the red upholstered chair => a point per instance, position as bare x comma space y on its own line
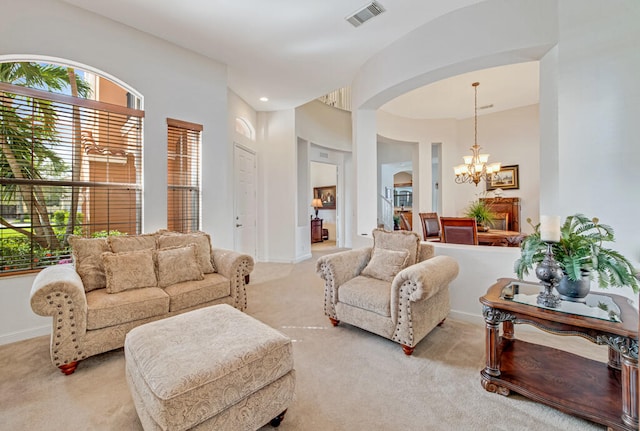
459, 230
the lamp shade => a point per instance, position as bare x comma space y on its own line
316, 203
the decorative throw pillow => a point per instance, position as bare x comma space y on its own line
177, 264
385, 264
124, 243
200, 239
399, 240
87, 259
129, 270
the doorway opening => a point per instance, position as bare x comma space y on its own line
324, 202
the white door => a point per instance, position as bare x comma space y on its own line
245, 201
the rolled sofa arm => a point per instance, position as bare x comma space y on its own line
338, 268
427, 277
234, 266
58, 291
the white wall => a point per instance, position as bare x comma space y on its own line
598, 112
174, 82
511, 137
324, 125
278, 188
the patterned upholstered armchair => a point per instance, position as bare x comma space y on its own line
397, 289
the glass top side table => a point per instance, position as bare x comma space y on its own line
604, 393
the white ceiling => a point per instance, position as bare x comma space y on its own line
293, 51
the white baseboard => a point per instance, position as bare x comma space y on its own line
476, 319
25, 335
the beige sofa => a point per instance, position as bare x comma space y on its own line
121, 282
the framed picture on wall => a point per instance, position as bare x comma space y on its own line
506, 178
327, 195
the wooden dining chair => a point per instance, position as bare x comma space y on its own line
500, 221
459, 230
404, 223
430, 226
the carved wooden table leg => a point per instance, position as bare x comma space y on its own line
614, 359
629, 377
492, 344
493, 318
507, 329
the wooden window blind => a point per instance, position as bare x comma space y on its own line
62, 155
183, 168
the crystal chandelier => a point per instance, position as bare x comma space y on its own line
476, 167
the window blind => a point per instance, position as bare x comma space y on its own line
183, 169
63, 156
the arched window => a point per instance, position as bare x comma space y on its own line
244, 128
70, 160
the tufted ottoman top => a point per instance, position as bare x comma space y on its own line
192, 366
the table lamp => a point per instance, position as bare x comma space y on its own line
316, 203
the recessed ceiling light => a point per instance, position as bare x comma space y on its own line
264, 99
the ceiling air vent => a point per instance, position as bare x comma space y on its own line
365, 14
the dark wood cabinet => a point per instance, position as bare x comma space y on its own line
506, 205
316, 230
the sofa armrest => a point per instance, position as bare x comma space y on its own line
234, 266
58, 291
338, 268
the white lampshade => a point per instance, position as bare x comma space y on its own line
316, 203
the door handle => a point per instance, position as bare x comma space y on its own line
238, 225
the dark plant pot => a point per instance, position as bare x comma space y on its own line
575, 291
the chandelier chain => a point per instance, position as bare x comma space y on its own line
475, 167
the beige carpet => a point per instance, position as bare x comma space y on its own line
347, 379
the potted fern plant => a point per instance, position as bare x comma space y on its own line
480, 211
581, 255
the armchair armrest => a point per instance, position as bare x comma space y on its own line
336, 269
58, 291
421, 281
234, 266
428, 276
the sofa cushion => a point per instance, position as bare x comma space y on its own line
398, 240
123, 243
110, 309
191, 293
200, 239
87, 258
177, 264
385, 264
129, 270
367, 293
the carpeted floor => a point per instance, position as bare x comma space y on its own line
347, 379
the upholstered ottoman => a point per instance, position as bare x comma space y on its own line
212, 368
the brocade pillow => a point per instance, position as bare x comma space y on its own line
385, 264
87, 259
129, 270
124, 243
399, 240
202, 242
177, 264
